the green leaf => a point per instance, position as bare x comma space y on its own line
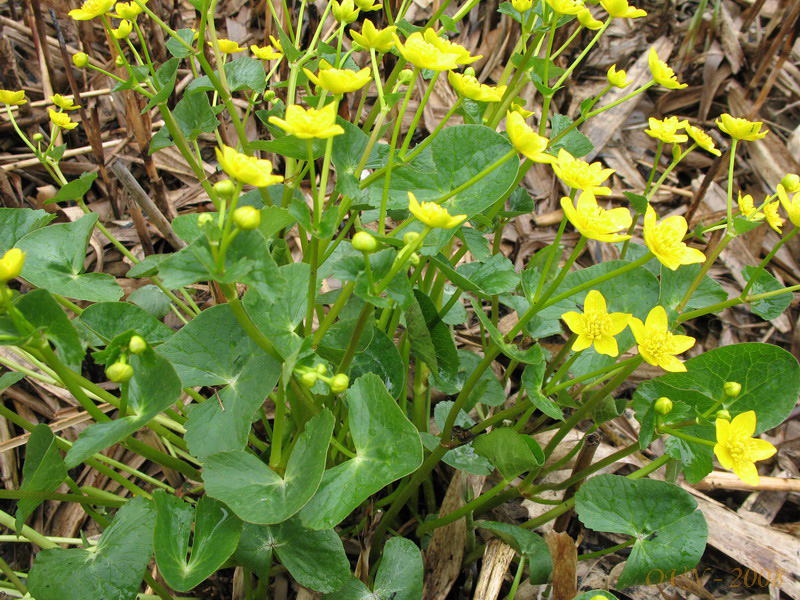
110, 319
46, 315
112, 571
194, 116
177, 49
10, 378
506, 8
675, 284
256, 493
574, 142
532, 378
487, 391
494, 276
511, 452
430, 335
55, 258
152, 300
247, 261
638, 202
768, 308
154, 388
697, 460
75, 189
315, 559
244, 73
530, 356
462, 458
528, 544
742, 225
216, 535
387, 447
346, 154
670, 532
159, 141
214, 350
456, 155
140, 73
15, 223
290, 146
399, 576
166, 75
43, 470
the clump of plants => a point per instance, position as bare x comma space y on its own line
302, 406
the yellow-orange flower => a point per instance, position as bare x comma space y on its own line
525, 140
12, 98
657, 344
309, 123
594, 222
737, 449
566, 7
663, 73
468, 86
702, 139
748, 209
774, 219
665, 240
445, 45
741, 129
667, 129
432, 214
91, 9
579, 174
11, 264
64, 103
596, 326
586, 19
247, 169
424, 55
372, 37
128, 10
265, 52
61, 119
791, 206
621, 9
339, 81
228, 46
619, 78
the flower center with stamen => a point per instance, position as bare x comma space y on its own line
737, 450
596, 324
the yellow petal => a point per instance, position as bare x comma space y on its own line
582, 342
746, 471
595, 302
657, 318
759, 449
671, 364
681, 343
723, 433
637, 327
573, 320
743, 426
606, 345
619, 321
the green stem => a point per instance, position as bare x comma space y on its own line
754, 275
469, 507
407, 158
606, 551
685, 436
710, 259
731, 163
418, 114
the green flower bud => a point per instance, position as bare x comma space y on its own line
247, 217
732, 389
321, 368
37, 137
309, 378
663, 406
676, 151
723, 414
225, 188
414, 259
119, 372
204, 219
363, 241
137, 345
119, 61
80, 59
406, 75
410, 237
469, 72
268, 96
339, 383
791, 183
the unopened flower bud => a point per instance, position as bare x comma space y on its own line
469, 72
410, 237
247, 217
80, 59
268, 96
676, 151
521, 5
321, 368
309, 378
204, 219
339, 383
663, 406
119, 61
137, 344
732, 389
406, 75
791, 183
723, 414
363, 241
225, 187
37, 137
414, 259
11, 264
119, 372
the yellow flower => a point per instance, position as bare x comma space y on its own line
61, 119
702, 139
596, 326
587, 20
581, 175
228, 46
123, 31
517, 106
792, 207
663, 73
667, 129
468, 86
748, 209
276, 43
64, 103
737, 449
566, 7
265, 52
665, 240
368, 5
525, 140
741, 129
421, 54
445, 45
621, 9
619, 78
432, 214
12, 98
339, 81
594, 222
247, 169
128, 10
345, 11
657, 345
91, 9
370, 37
11, 264
309, 123
522, 5
774, 220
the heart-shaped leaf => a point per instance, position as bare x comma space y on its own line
43, 470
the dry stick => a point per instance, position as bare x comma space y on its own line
711, 174
776, 70
767, 54
142, 199
582, 462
